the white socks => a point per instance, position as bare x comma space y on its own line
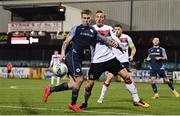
133, 90
103, 91
58, 81
53, 79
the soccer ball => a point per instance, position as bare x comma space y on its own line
60, 69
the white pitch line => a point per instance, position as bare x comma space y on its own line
18, 107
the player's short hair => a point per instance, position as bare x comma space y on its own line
100, 11
86, 11
118, 25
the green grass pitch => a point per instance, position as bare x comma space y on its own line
25, 97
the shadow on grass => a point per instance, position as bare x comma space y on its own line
26, 107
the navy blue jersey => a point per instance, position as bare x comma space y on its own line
156, 52
83, 37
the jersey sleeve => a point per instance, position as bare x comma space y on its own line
115, 37
73, 31
130, 42
164, 52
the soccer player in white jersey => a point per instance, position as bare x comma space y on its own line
124, 57
103, 60
55, 58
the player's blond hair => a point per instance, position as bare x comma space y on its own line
101, 11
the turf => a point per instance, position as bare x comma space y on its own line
25, 97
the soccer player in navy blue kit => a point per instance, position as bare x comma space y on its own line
157, 55
82, 37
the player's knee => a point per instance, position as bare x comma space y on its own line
166, 81
107, 81
88, 88
70, 85
90, 85
106, 84
126, 77
124, 74
152, 81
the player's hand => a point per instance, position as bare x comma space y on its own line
122, 48
112, 43
62, 57
130, 58
147, 59
86, 51
158, 58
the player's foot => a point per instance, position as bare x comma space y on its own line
83, 106
142, 104
47, 93
176, 94
100, 100
75, 108
156, 96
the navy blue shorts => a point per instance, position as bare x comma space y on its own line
156, 72
96, 69
74, 64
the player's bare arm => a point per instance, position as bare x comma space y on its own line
107, 41
64, 46
147, 59
161, 58
110, 42
133, 52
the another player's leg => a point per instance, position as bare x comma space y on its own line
170, 84
57, 80
105, 87
62, 87
75, 91
12, 74
132, 89
176, 94
154, 87
52, 80
95, 72
87, 93
8, 73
